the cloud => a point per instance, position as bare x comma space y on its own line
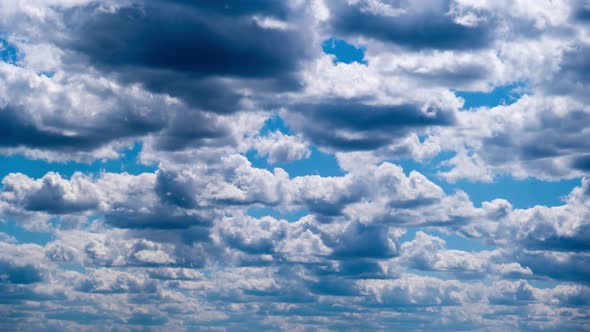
72, 114
181, 197
414, 291
210, 239
278, 147
133, 203
51, 194
105, 281
239, 52
429, 253
559, 228
525, 129
274, 240
409, 25
362, 241
362, 126
549, 241
15, 274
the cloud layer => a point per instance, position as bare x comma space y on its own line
215, 165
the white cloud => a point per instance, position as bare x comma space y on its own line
278, 147
179, 248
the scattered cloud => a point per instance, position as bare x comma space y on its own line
230, 102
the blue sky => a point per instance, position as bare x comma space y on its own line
318, 165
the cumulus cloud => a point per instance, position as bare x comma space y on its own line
240, 52
51, 194
520, 139
72, 114
361, 126
426, 25
278, 147
548, 241
226, 220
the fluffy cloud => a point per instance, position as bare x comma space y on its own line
51, 194
278, 147
362, 126
72, 114
548, 241
240, 52
520, 139
198, 236
425, 25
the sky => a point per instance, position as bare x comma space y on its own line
309, 165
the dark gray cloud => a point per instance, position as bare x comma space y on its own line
556, 141
134, 202
16, 294
192, 129
79, 113
146, 319
582, 163
277, 9
572, 76
414, 26
83, 318
572, 267
354, 125
17, 130
334, 287
18, 274
462, 76
134, 215
365, 241
172, 188
208, 55
191, 50
161, 35
582, 12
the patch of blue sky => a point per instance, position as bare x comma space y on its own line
543, 283
318, 163
521, 193
275, 123
291, 216
501, 95
344, 52
8, 53
435, 274
128, 162
40, 237
73, 267
453, 241
38, 168
22, 235
47, 73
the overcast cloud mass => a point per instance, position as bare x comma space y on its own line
304, 165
